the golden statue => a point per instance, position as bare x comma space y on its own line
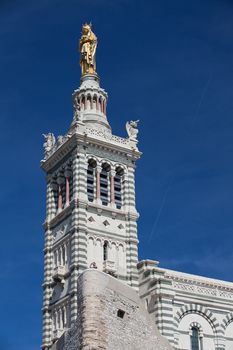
87, 48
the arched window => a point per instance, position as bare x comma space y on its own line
100, 104
195, 339
89, 102
118, 187
104, 184
105, 251
83, 103
91, 179
95, 103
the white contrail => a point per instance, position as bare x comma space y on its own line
160, 210
204, 90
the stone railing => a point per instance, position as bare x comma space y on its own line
107, 136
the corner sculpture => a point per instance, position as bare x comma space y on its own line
49, 143
87, 48
132, 129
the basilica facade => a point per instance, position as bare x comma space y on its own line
91, 232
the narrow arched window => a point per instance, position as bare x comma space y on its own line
83, 103
104, 184
118, 187
95, 105
100, 104
88, 102
195, 340
91, 179
105, 251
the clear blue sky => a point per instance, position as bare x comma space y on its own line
168, 63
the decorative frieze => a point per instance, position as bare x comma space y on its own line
194, 288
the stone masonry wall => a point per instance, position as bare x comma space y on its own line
110, 316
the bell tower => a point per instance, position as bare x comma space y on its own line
91, 219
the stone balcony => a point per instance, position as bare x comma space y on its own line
109, 267
59, 273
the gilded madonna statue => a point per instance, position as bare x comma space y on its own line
87, 48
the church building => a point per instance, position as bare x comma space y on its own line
96, 295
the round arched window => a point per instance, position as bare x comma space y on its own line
195, 340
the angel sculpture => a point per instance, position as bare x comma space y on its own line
49, 143
132, 129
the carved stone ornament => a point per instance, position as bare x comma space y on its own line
77, 108
49, 143
132, 129
60, 140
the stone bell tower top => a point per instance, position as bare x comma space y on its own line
90, 107
90, 102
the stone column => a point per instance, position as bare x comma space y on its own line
60, 181
65, 253
101, 105
91, 102
67, 176
97, 104
65, 316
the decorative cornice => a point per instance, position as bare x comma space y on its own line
198, 282
94, 137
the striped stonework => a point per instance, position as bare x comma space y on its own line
227, 320
81, 231
180, 301
198, 309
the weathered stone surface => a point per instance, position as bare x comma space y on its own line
110, 316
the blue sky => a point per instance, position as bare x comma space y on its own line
168, 63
